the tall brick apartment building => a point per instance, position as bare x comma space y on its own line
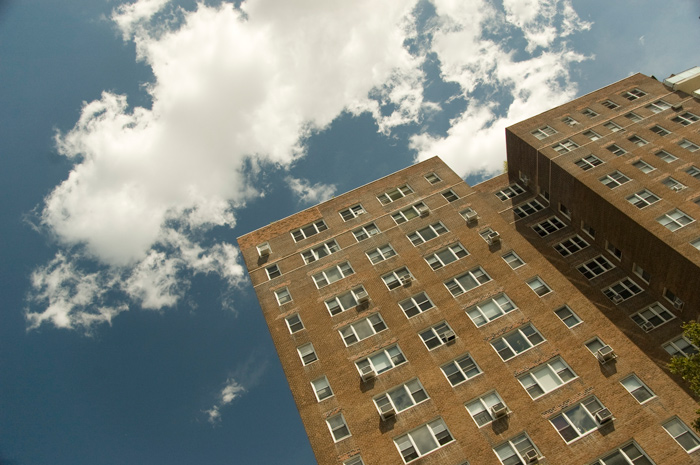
527, 319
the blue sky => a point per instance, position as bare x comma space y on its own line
139, 140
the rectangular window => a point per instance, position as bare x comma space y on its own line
616, 150
322, 388
432, 178
419, 303
652, 317
569, 121
309, 230
518, 341
546, 377
543, 132
643, 198
307, 353
395, 194
592, 135
437, 335
538, 286
578, 420
365, 232
614, 179
345, 301
491, 309
446, 256
613, 127
510, 192
332, 274
294, 323
425, 234
680, 346
658, 130
658, 106
283, 296
630, 454
339, 429
637, 388
609, 104
381, 253
638, 141
565, 146
513, 260
518, 450
450, 195
548, 226
401, 397
273, 271
686, 144
527, 209
622, 290
397, 278
643, 166
382, 361
674, 220
359, 330
588, 112
633, 94
635, 118
685, 119
423, 440
588, 162
352, 212
407, 214
571, 245
683, 435
461, 369
595, 267
320, 251
467, 281
567, 316
484, 409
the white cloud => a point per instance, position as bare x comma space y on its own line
232, 390
310, 194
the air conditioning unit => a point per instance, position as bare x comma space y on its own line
264, 249
471, 217
494, 238
362, 297
678, 304
532, 456
617, 298
647, 326
367, 373
423, 210
603, 416
605, 354
499, 410
406, 280
448, 336
387, 411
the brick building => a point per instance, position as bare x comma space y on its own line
421, 320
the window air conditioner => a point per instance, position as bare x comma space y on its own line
647, 326
387, 411
423, 210
499, 410
605, 354
603, 416
678, 304
448, 336
494, 238
406, 280
471, 217
617, 298
264, 250
367, 373
531, 456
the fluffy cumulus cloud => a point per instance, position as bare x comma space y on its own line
232, 390
239, 89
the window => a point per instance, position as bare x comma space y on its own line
569, 121
643, 198
633, 94
402, 397
339, 429
609, 104
643, 166
658, 106
565, 146
309, 230
480, 409
356, 460
570, 245
395, 194
595, 267
423, 440
546, 377
450, 195
429, 232
437, 335
395, 278
307, 353
419, 303
365, 231
642, 273
638, 141
543, 132
513, 260
567, 316
407, 214
652, 317
322, 388
631, 454
515, 450
659, 130
491, 309
510, 192
318, 252
345, 301
592, 135
588, 229
588, 112
539, 286
588, 162
686, 144
460, 370
578, 420
294, 323
694, 171
673, 184
518, 341
686, 118
433, 178
273, 271
612, 250
637, 388
332, 274
528, 208
616, 150
359, 330
613, 127
283, 296
381, 253
682, 434
614, 179
467, 281
352, 212
622, 290
446, 256
548, 226
635, 118
680, 346
382, 361
675, 219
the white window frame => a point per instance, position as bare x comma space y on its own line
352, 212
625, 288
547, 377
409, 213
417, 304
317, 252
536, 283
670, 220
381, 253
447, 255
548, 226
490, 309
461, 369
393, 279
387, 197
436, 430
343, 425
568, 316
636, 387
365, 232
307, 350
417, 237
643, 198
435, 336
283, 296
344, 270
343, 302
305, 232
652, 316
373, 324
509, 192
595, 267
588, 408
528, 208
687, 433
291, 324
408, 391
456, 287
322, 388
569, 244
395, 360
